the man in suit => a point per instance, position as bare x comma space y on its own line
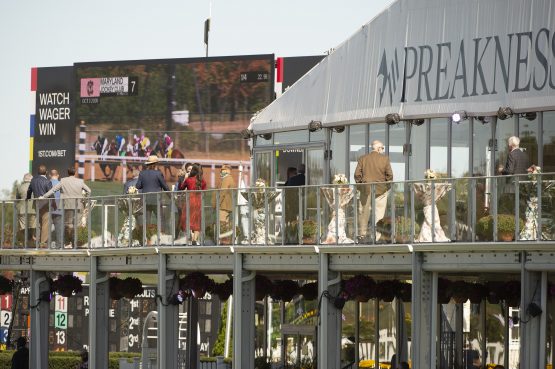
25, 209
225, 200
151, 180
299, 179
373, 168
71, 193
56, 212
517, 161
37, 188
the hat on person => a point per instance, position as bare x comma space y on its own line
152, 159
226, 167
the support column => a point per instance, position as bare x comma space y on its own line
192, 333
243, 323
530, 327
424, 315
39, 321
329, 328
168, 317
99, 305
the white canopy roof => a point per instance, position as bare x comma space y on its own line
422, 58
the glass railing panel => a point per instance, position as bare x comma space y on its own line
337, 204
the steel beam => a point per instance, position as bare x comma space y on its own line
243, 323
329, 329
424, 308
168, 317
530, 327
99, 302
39, 320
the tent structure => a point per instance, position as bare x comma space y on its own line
428, 58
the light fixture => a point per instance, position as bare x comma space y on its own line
392, 118
339, 129
266, 136
416, 122
314, 126
504, 113
179, 297
483, 119
247, 134
337, 301
530, 115
459, 116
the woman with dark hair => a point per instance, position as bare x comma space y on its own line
194, 182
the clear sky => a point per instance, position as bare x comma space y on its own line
46, 33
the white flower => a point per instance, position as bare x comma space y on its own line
260, 183
132, 190
340, 179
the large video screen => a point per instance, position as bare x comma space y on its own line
184, 110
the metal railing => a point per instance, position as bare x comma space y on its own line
477, 209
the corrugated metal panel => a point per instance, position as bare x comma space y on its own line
449, 55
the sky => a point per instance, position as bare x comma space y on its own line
43, 33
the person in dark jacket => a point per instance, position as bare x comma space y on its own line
299, 179
517, 160
38, 187
20, 358
151, 180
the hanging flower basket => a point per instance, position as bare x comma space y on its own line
263, 287
284, 290
6, 285
66, 285
459, 291
512, 293
132, 287
115, 286
224, 290
443, 291
477, 292
309, 291
197, 283
405, 292
360, 288
388, 290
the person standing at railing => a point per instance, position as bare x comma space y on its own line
131, 182
225, 204
25, 210
39, 186
71, 194
56, 211
517, 160
373, 167
194, 182
151, 180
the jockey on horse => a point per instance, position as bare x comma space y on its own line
120, 145
167, 145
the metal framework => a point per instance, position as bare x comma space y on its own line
423, 263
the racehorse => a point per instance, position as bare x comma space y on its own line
175, 154
112, 150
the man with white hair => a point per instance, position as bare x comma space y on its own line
373, 168
517, 160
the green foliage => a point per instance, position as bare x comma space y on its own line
505, 225
67, 359
151, 230
82, 235
309, 228
219, 345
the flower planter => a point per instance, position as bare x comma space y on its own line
505, 236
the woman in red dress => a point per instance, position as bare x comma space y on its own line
193, 183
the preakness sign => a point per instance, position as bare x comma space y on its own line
423, 58
52, 123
